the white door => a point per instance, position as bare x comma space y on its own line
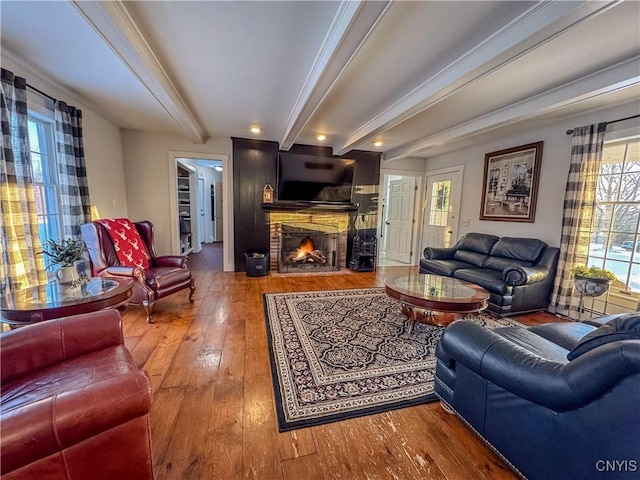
399, 223
217, 211
442, 206
202, 227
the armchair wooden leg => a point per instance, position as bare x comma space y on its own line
192, 289
148, 308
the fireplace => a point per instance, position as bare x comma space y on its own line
308, 250
310, 242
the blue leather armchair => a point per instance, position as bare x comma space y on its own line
555, 401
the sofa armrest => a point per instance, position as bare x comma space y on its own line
554, 385
39, 429
516, 276
178, 261
433, 253
36, 346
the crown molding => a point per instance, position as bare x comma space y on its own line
352, 25
620, 76
534, 28
114, 24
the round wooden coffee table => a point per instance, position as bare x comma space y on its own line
44, 302
434, 299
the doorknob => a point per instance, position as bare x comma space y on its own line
386, 223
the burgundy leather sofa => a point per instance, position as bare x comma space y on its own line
73, 404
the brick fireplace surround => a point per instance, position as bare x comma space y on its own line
332, 227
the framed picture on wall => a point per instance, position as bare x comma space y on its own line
513, 198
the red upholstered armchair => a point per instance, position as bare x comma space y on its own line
166, 274
73, 404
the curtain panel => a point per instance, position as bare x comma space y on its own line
22, 264
579, 210
72, 171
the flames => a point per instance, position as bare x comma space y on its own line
307, 253
306, 247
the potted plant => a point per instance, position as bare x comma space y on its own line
591, 281
65, 253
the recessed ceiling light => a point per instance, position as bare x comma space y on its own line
255, 129
321, 137
218, 168
377, 143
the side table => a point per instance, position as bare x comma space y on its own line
52, 300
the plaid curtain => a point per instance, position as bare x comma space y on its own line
579, 209
22, 264
72, 171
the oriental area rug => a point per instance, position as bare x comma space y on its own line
342, 354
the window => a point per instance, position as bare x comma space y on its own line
615, 232
439, 206
45, 184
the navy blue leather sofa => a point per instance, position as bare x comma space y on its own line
555, 401
518, 273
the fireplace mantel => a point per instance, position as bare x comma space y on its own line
307, 206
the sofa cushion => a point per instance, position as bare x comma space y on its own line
626, 327
443, 267
490, 280
500, 263
474, 258
477, 242
534, 343
527, 249
565, 334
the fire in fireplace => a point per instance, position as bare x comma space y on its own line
307, 253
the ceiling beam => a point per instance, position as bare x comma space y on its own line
621, 76
351, 26
114, 24
532, 29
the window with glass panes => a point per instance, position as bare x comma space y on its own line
439, 206
43, 164
615, 232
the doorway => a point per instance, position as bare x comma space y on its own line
399, 212
442, 207
210, 223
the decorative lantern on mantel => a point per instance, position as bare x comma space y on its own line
267, 193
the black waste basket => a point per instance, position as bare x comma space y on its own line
257, 264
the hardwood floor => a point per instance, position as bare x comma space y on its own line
213, 415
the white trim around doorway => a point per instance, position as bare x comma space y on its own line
227, 195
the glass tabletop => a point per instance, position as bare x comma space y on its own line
431, 287
53, 294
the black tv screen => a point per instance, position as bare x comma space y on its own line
310, 178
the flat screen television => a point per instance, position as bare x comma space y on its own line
309, 178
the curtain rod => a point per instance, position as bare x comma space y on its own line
569, 132
41, 92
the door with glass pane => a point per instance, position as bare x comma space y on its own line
442, 205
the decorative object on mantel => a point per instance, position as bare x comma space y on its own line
65, 253
510, 185
342, 354
590, 282
267, 193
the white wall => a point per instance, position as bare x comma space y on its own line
556, 156
147, 178
102, 146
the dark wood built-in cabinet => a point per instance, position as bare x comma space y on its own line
255, 164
